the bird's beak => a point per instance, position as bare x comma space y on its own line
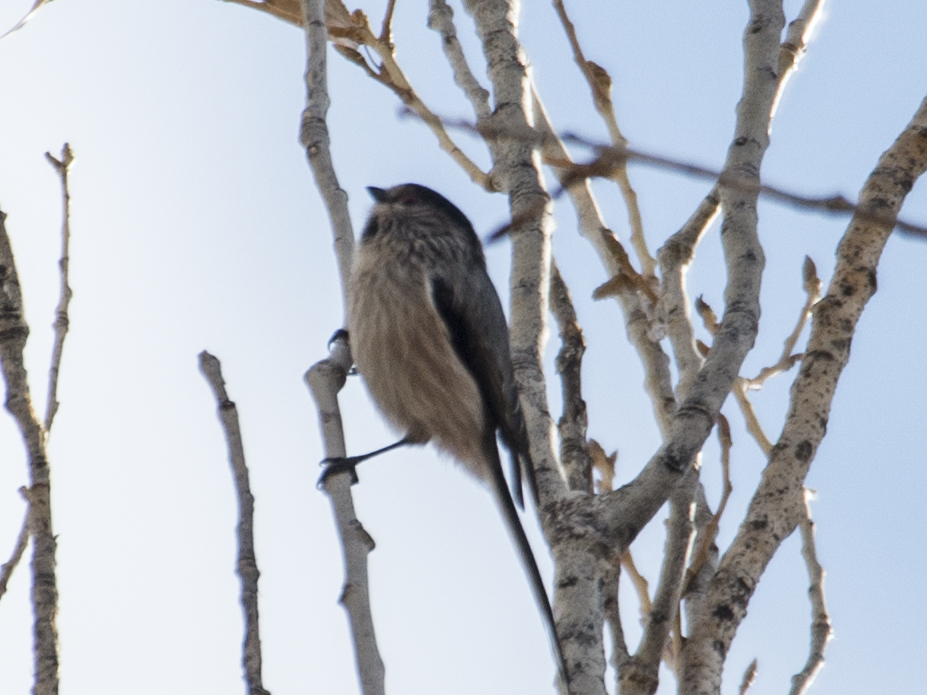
378, 194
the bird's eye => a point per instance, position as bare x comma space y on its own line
408, 200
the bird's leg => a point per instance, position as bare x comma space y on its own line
342, 464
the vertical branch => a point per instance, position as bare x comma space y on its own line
679, 251
13, 334
574, 449
326, 378
516, 171
62, 166
821, 631
314, 137
247, 561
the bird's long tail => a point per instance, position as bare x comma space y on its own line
517, 532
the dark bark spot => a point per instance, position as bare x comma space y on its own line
759, 524
803, 451
718, 646
847, 290
723, 612
569, 582
741, 141
871, 277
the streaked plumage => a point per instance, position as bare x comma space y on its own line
430, 339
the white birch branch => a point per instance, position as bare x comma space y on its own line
777, 506
441, 20
13, 334
62, 166
572, 427
246, 565
327, 377
821, 631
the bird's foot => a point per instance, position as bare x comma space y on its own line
339, 464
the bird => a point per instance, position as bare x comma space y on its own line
429, 337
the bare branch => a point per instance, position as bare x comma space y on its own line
640, 583
441, 20
287, 10
247, 561
778, 505
386, 31
326, 378
710, 532
29, 15
812, 286
62, 166
6, 569
13, 334
629, 287
351, 30
600, 84
643, 677
620, 653
821, 631
574, 450
315, 138
749, 677
750, 419
605, 465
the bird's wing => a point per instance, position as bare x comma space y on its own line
472, 312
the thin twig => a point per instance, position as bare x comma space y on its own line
574, 449
609, 157
626, 284
749, 414
821, 631
812, 286
739, 389
386, 30
247, 561
700, 556
749, 677
640, 584
349, 31
6, 569
441, 20
287, 10
600, 84
62, 166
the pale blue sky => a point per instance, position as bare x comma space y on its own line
196, 225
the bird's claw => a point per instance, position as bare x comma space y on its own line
338, 464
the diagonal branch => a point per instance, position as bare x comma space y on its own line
6, 569
349, 31
778, 505
600, 84
441, 20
